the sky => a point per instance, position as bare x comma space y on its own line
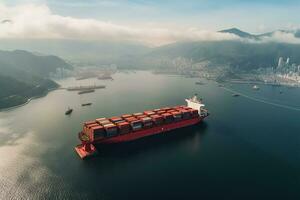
153, 22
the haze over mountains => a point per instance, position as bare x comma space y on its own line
246, 50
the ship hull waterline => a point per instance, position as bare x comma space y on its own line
87, 149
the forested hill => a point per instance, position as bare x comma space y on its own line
24, 75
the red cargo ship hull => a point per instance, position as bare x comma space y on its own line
87, 149
148, 132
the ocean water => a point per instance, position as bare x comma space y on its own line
248, 148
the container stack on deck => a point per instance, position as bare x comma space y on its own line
109, 127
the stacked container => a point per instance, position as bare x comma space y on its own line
168, 117
111, 130
124, 127
157, 119
96, 132
185, 114
149, 112
177, 115
86, 128
137, 114
126, 116
136, 125
116, 119
147, 122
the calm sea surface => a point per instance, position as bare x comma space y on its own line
248, 148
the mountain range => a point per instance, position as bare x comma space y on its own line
246, 35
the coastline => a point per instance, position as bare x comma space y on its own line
28, 100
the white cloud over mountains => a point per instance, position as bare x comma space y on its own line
38, 21
284, 37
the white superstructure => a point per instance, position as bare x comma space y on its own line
197, 105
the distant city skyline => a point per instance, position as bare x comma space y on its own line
152, 22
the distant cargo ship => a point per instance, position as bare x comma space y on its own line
86, 91
105, 77
130, 127
86, 104
88, 87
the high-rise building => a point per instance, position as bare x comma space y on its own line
280, 62
287, 61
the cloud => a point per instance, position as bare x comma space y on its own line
282, 37
38, 21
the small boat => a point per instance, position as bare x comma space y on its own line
86, 91
69, 111
280, 92
255, 87
86, 104
105, 77
235, 95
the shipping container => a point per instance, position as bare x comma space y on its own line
149, 112
146, 119
157, 119
97, 132
101, 119
130, 119
185, 114
141, 116
124, 127
126, 116
111, 130
160, 112
87, 127
115, 119
104, 122
136, 125
168, 117
177, 115
137, 114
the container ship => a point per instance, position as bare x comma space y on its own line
129, 127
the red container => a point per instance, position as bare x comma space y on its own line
157, 119
87, 127
141, 116
124, 127
115, 119
166, 108
160, 112
130, 119
165, 115
96, 132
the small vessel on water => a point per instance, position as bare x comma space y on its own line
69, 111
255, 87
87, 87
86, 104
235, 95
105, 77
86, 91
129, 127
